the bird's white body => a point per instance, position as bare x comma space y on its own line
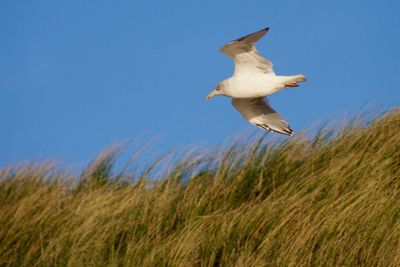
255, 85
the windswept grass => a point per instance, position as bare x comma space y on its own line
330, 200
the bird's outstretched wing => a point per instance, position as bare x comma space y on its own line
245, 55
259, 113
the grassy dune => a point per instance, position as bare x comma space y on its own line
329, 200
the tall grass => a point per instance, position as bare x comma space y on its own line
329, 200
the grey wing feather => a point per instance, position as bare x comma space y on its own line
245, 55
259, 113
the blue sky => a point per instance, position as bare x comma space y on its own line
77, 76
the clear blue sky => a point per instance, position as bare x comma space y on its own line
77, 76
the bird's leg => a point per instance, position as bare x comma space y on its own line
294, 80
292, 84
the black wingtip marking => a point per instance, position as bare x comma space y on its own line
266, 29
264, 127
267, 128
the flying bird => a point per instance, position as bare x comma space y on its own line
252, 81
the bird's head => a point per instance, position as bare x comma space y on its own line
217, 91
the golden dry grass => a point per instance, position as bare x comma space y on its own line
330, 200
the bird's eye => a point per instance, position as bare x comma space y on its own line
218, 87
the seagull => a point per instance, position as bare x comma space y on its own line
252, 81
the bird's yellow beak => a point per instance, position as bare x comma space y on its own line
210, 95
